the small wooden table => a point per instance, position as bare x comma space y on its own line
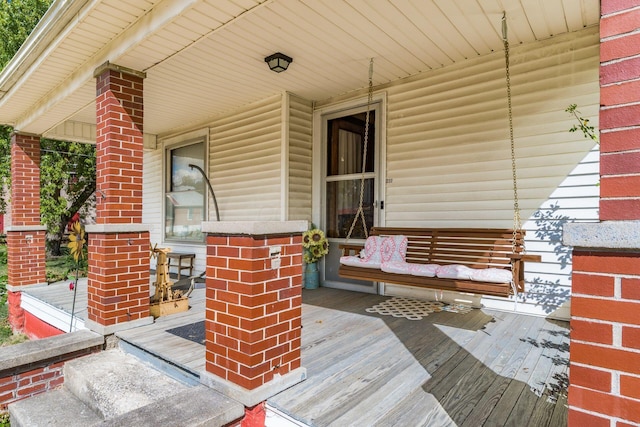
179, 256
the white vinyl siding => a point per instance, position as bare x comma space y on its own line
300, 142
245, 162
152, 196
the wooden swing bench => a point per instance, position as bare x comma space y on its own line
478, 248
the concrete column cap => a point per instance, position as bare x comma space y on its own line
21, 228
607, 235
254, 228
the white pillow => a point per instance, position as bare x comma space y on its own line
493, 275
397, 267
424, 270
355, 261
454, 271
394, 248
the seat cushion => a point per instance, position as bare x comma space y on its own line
356, 261
397, 267
492, 275
454, 271
424, 270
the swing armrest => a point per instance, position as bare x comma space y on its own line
527, 258
347, 248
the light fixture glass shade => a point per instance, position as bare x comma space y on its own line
278, 62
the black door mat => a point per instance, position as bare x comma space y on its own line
192, 332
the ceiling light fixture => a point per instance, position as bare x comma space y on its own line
278, 62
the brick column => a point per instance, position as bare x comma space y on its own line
620, 111
25, 234
118, 283
604, 374
253, 308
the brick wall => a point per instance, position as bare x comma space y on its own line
620, 111
118, 277
253, 311
34, 367
605, 339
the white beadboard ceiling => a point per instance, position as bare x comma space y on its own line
205, 57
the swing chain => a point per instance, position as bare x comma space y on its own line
360, 211
517, 221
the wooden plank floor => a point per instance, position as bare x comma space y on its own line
156, 339
481, 368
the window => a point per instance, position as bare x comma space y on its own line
186, 193
345, 151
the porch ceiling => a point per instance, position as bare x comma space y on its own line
205, 57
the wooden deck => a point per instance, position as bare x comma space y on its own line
481, 368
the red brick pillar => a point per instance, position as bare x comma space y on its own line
25, 234
118, 285
620, 111
604, 374
253, 308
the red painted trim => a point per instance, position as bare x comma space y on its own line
36, 328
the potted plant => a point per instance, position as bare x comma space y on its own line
314, 247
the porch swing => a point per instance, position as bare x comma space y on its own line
484, 261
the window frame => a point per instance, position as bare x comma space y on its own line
198, 137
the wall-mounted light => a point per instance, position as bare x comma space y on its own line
278, 62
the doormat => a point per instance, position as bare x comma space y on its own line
192, 332
413, 309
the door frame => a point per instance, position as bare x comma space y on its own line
319, 154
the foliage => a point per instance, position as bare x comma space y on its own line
17, 19
5, 164
68, 179
583, 124
315, 245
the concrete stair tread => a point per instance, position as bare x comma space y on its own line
195, 407
54, 408
113, 383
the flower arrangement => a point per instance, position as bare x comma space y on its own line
315, 245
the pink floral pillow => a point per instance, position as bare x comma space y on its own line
394, 248
372, 247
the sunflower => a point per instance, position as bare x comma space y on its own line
77, 241
315, 245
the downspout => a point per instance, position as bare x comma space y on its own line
215, 202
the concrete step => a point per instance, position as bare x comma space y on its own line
115, 389
54, 408
113, 383
196, 407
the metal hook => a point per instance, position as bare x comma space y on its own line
504, 26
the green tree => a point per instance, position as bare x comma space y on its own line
68, 179
67, 169
17, 19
